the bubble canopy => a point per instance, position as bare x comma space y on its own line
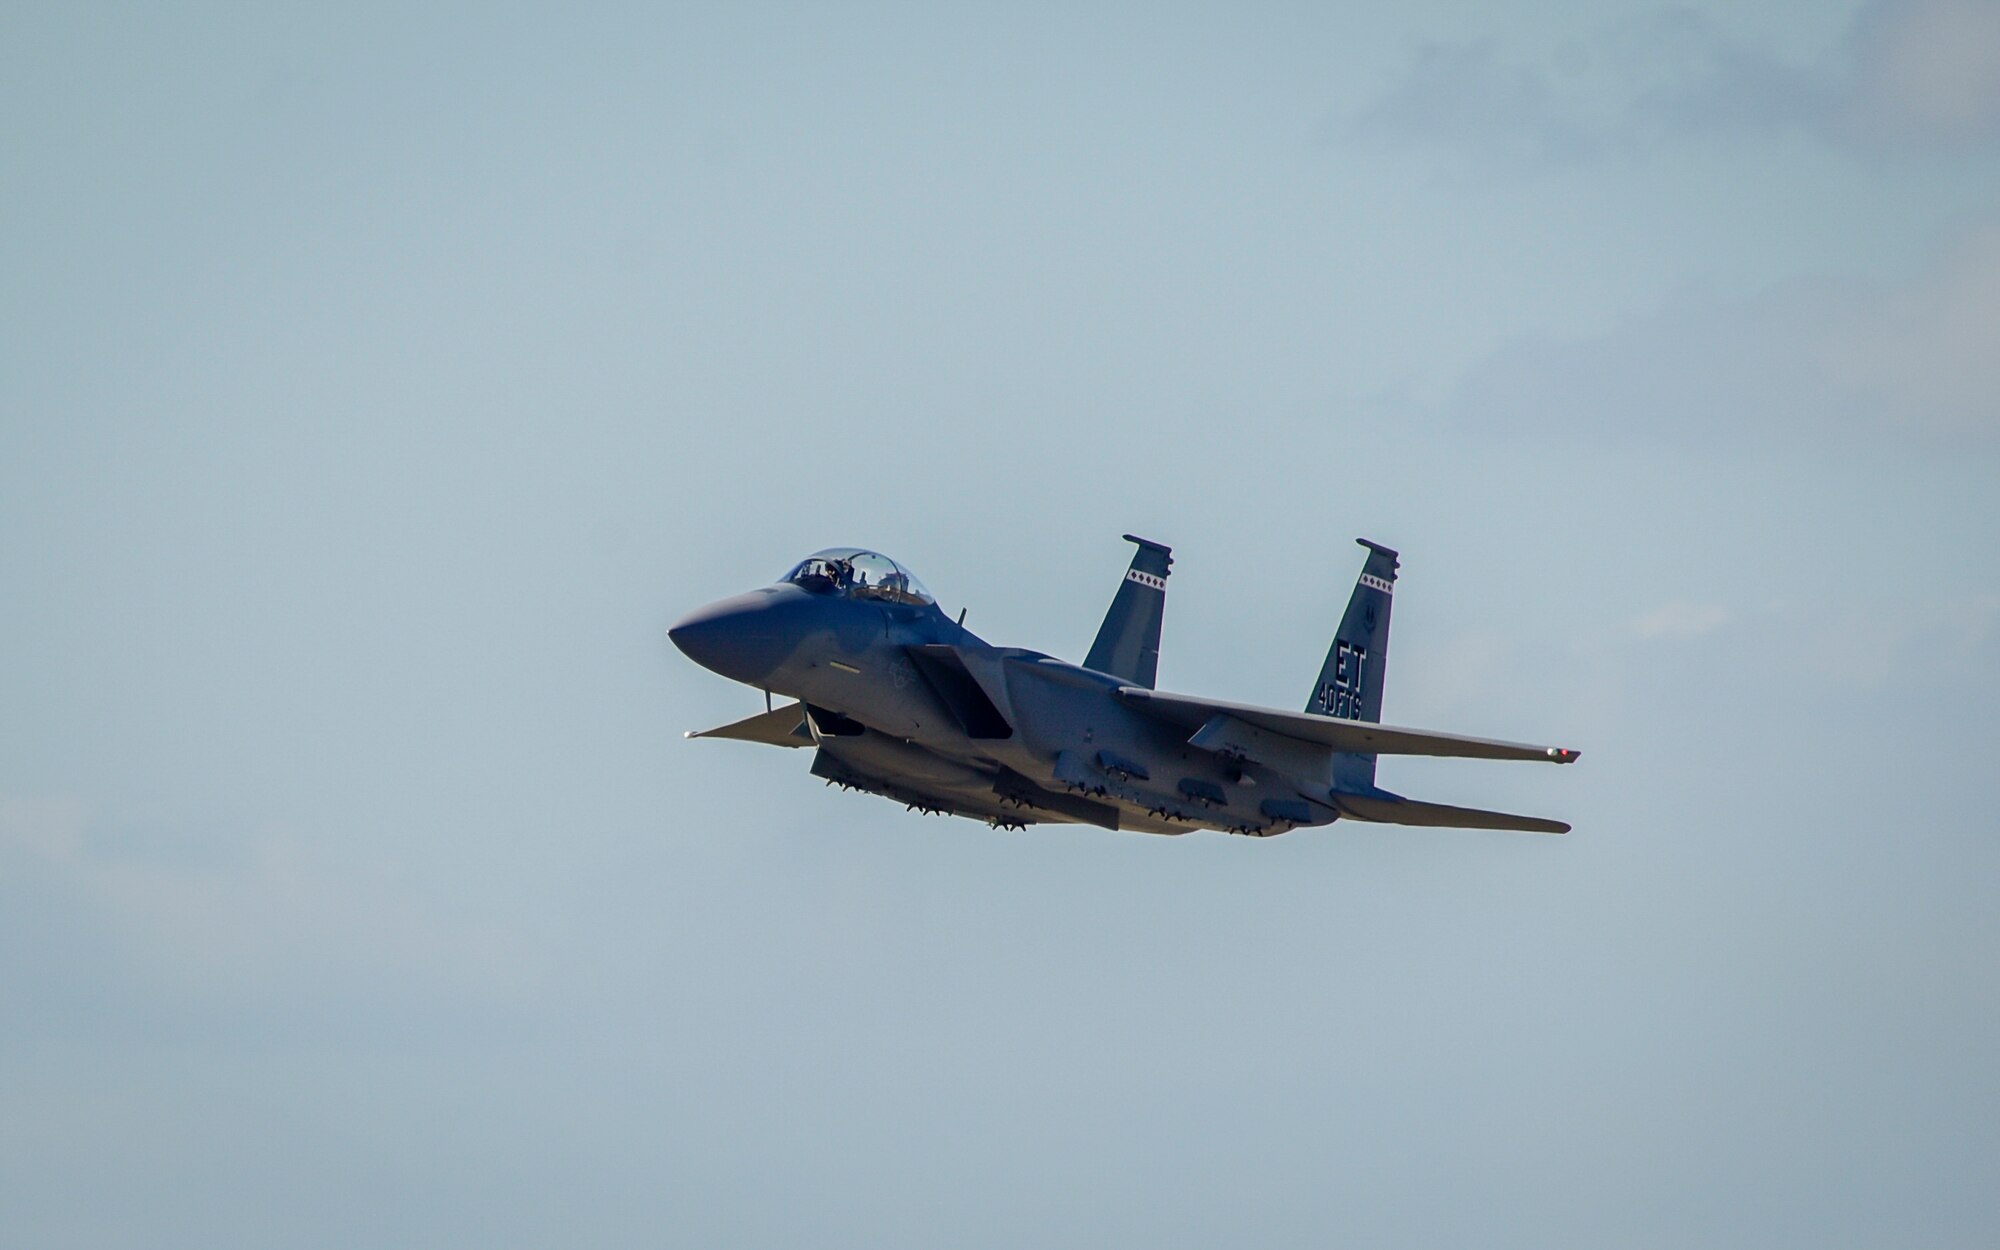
860, 574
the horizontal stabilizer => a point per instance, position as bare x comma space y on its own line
785, 727
1385, 808
1359, 737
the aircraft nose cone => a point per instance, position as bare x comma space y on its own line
743, 638
702, 636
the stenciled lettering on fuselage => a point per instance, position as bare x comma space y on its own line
1342, 696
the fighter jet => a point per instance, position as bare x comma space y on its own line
899, 700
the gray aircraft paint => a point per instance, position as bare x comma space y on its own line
1128, 643
901, 701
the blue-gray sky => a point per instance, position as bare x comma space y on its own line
374, 387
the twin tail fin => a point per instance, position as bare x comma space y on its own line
1128, 643
1350, 682
1349, 686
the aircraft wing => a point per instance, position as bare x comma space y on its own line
1360, 737
784, 727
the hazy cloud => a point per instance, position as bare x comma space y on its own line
364, 436
1816, 357
1926, 70
1925, 353
1922, 73
1681, 619
256, 913
1955, 638
1465, 94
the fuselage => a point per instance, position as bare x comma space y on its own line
901, 701
899, 678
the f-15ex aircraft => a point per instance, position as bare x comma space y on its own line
901, 701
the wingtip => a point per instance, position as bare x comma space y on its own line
1563, 755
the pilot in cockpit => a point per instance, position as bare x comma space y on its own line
861, 574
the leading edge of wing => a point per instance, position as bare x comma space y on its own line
783, 727
1359, 737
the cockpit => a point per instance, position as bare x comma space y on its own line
859, 574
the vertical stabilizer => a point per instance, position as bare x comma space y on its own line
1128, 643
1350, 682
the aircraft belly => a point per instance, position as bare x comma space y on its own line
976, 800
1073, 753
1072, 734
1161, 803
893, 759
